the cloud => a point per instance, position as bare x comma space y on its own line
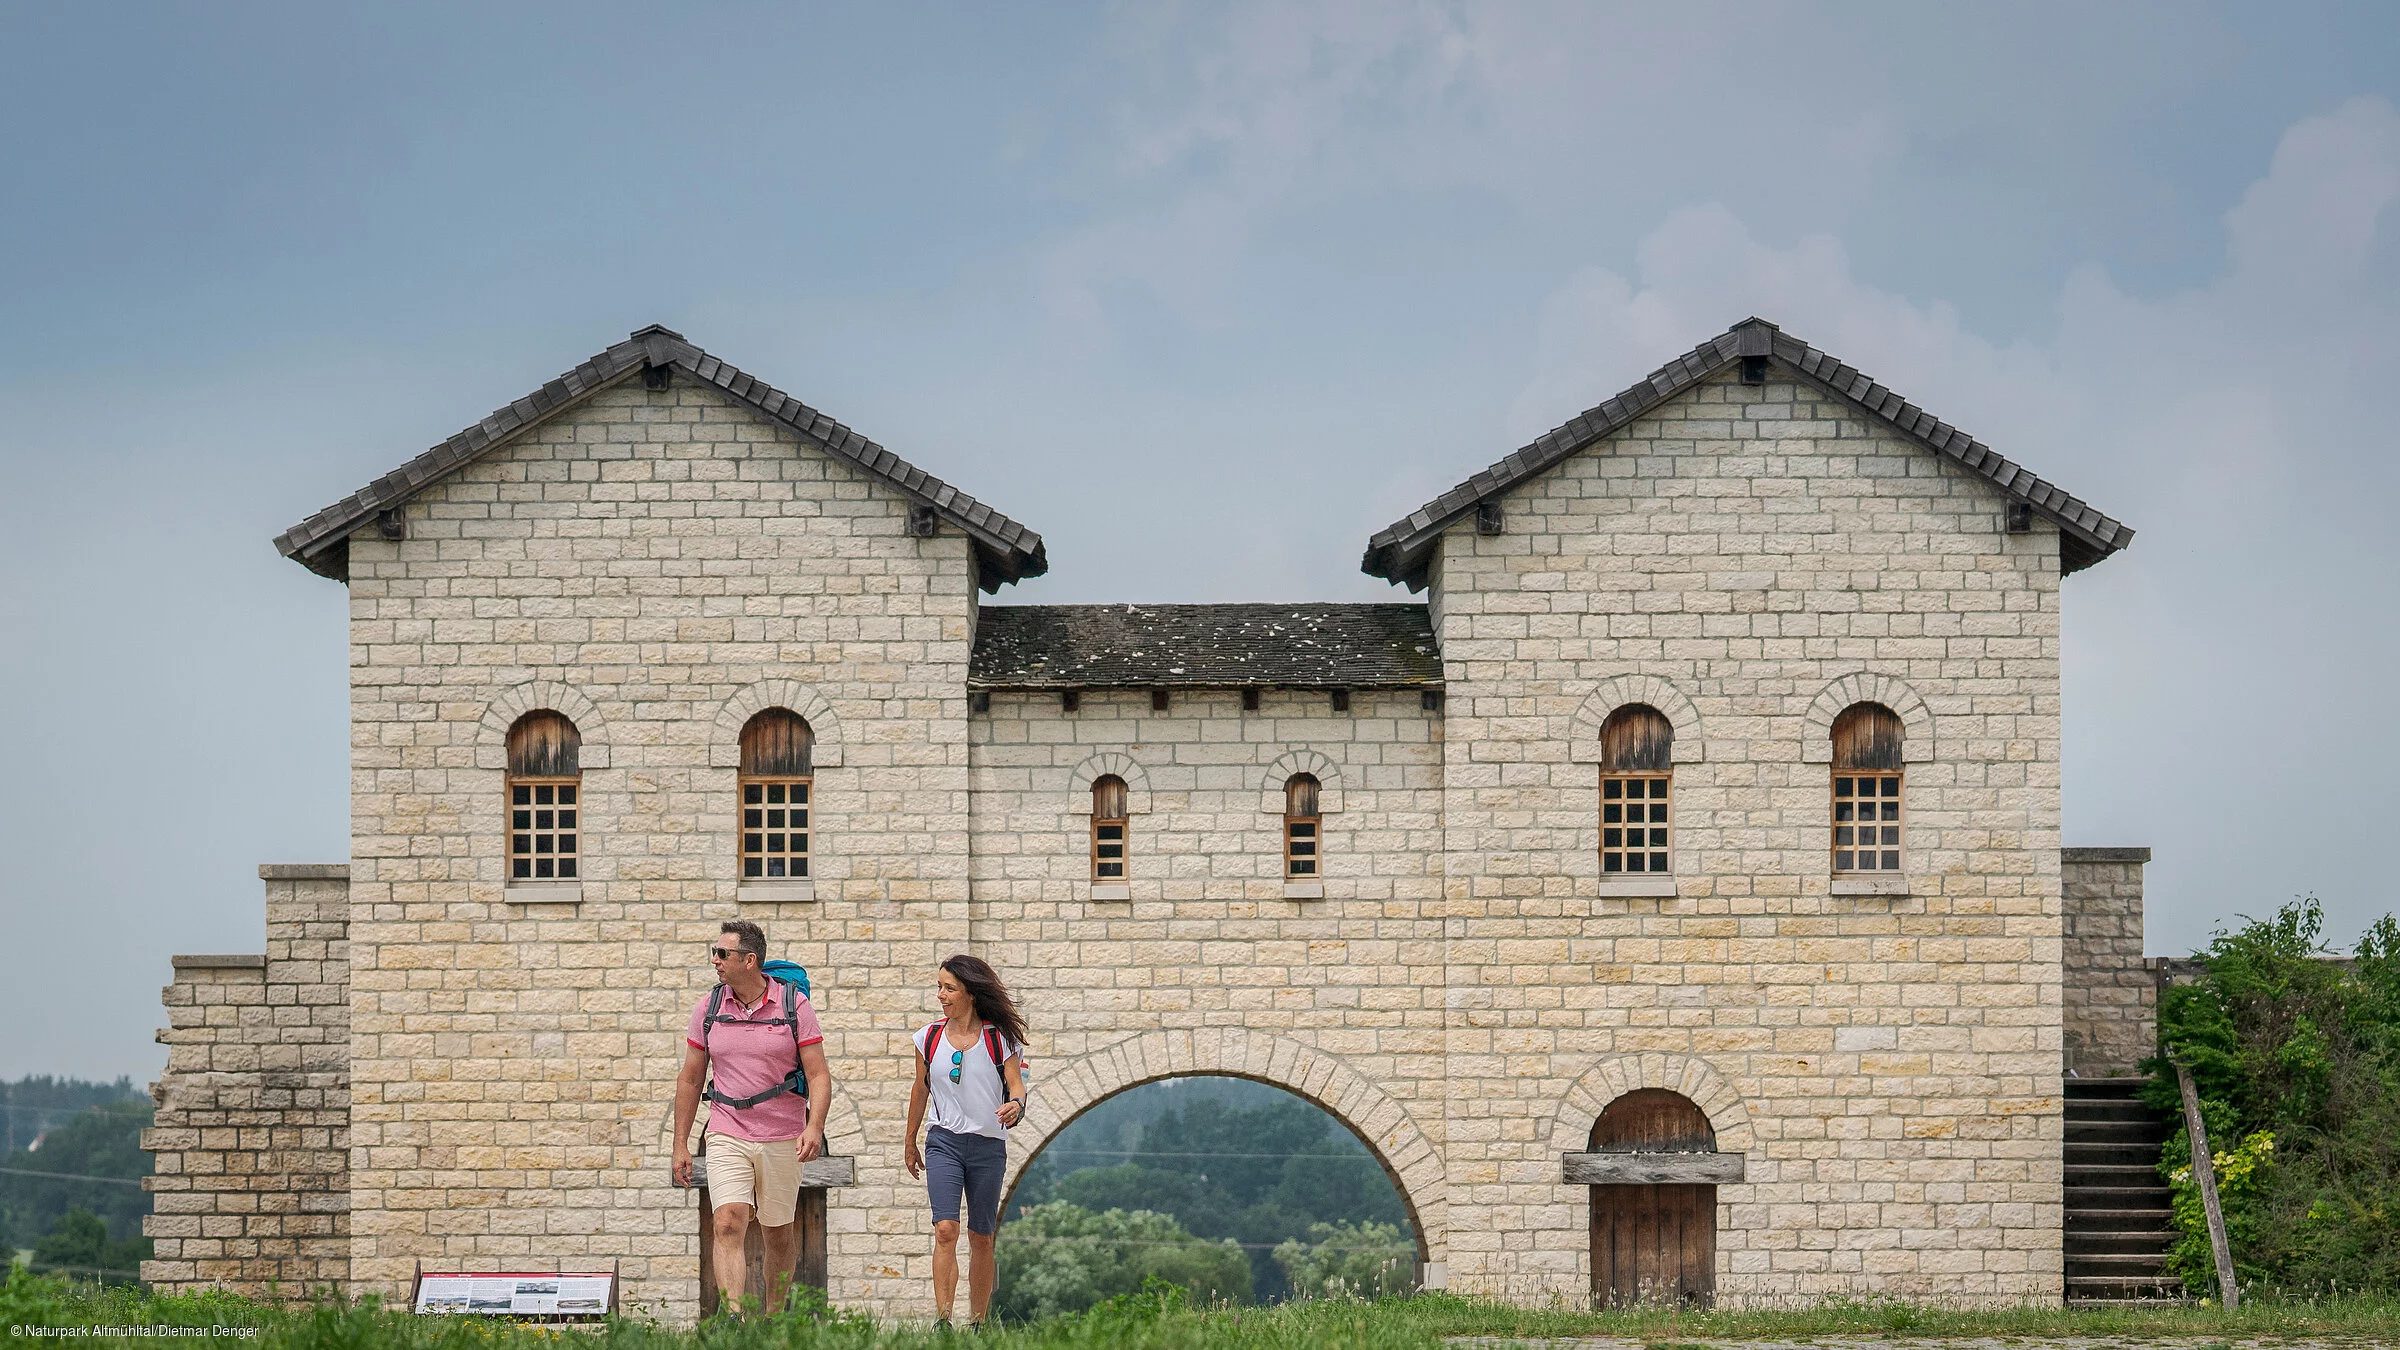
2227, 677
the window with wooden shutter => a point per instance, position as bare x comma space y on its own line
1109, 828
545, 791
777, 782
1637, 771
1867, 777
1303, 829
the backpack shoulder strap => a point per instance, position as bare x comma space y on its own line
991, 1043
708, 1020
934, 1038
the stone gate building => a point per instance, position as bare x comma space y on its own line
1719, 765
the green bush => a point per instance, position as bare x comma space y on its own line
78, 1244
2296, 1060
1060, 1258
1349, 1260
99, 1141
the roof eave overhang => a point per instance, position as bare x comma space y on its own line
1403, 552
1061, 684
1005, 551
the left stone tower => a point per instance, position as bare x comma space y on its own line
251, 1190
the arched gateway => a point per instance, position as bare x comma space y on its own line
453, 1063
1381, 1122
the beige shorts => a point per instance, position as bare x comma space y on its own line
763, 1174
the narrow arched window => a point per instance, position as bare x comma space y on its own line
545, 785
1867, 775
1303, 828
777, 777
1109, 828
1637, 772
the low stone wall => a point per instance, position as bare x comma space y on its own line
2111, 993
252, 1180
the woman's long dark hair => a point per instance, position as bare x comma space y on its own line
992, 1003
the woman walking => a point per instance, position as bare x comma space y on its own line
971, 1066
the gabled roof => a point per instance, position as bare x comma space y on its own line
1402, 551
1004, 550
1204, 646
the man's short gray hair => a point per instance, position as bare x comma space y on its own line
753, 939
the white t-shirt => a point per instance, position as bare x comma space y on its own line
972, 1104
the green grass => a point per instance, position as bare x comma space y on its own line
1148, 1323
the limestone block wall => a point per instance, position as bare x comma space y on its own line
2111, 991
1213, 963
655, 565
250, 1189
1751, 560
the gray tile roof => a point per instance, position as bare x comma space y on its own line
1402, 551
1004, 550
1215, 646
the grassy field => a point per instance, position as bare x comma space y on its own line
1152, 1323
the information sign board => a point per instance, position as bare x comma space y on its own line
543, 1294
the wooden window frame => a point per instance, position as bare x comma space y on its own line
1123, 843
1892, 823
751, 840
541, 796
1294, 824
1658, 854
775, 799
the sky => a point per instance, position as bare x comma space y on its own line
1206, 294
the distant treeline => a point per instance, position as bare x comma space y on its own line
1210, 1160
74, 1131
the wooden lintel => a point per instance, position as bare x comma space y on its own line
818, 1172
1650, 1169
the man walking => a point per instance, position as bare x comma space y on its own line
767, 1107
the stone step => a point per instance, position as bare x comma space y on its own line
2146, 1241
2081, 1179
2124, 1289
2104, 1088
2089, 1153
2109, 1108
2119, 1220
2114, 1264
2148, 1133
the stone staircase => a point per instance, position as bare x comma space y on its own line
2119, 1225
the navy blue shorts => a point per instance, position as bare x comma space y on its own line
972, 1163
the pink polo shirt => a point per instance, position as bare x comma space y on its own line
747, 1060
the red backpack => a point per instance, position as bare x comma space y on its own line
991, 1043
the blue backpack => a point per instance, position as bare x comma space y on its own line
792, 981
794, 975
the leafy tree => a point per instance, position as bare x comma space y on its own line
1060, 1258
2296, 1060
99, 1141
1201, 1207
1349, 1260
32, 1105
78, 1244
1238, 1149
1227, 1158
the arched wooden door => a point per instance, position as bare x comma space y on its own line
1653, 1243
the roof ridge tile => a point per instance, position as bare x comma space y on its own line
1006, 550
1399, 551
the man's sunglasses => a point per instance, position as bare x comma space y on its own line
716, 953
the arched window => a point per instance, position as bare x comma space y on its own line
1637, 769
545, 783
1866, 789
1108, 828
1303, 828
777, 774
